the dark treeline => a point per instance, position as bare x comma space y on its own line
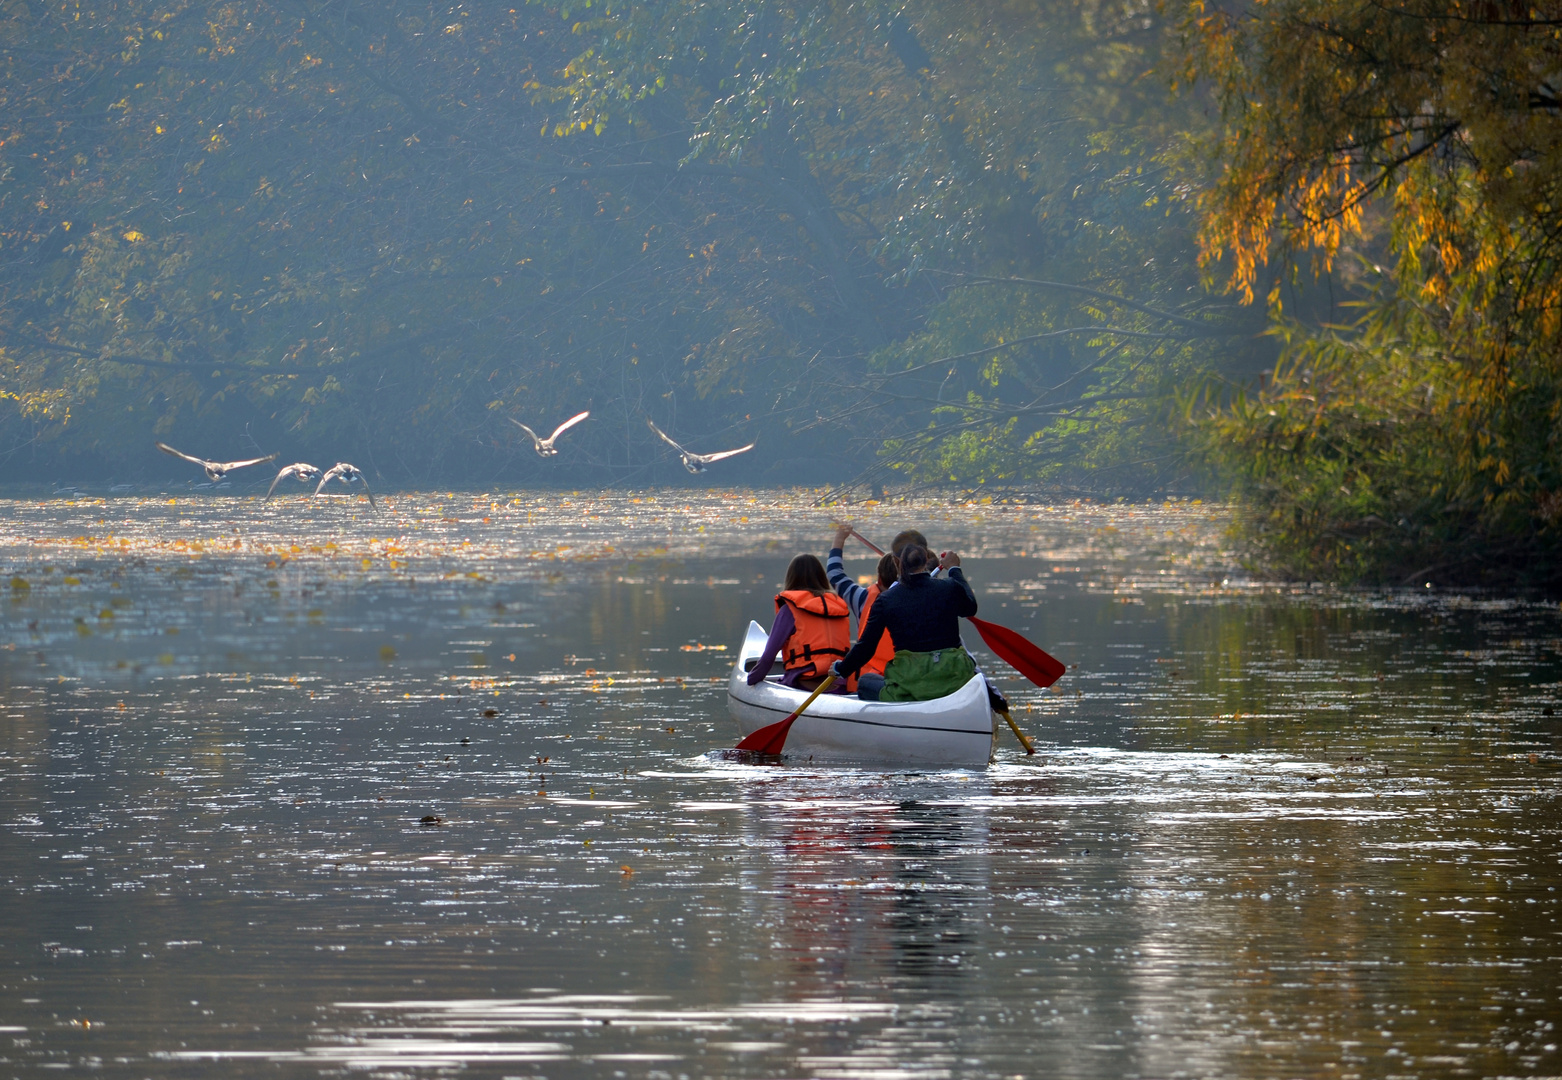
946, 238
1302, 252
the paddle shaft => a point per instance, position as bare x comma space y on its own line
771, 738
870, 544
1018, 734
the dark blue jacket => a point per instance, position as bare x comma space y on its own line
922, 614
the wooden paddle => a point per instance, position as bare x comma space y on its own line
772, 737
1018, 734
871, 545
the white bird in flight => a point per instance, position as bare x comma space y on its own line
545, 447
300, 470
696, 463
346, 474
215, 470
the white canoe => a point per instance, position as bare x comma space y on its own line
954, 732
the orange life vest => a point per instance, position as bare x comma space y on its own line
886, 650
822, 634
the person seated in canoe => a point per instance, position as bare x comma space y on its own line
812, 628
860, 598
923, 615
848, 589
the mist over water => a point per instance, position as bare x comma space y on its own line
303, 788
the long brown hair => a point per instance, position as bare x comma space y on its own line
807, 572
889, 570
904, 537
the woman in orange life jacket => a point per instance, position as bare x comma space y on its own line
812, 628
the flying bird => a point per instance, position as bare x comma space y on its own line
696, 463
301, 470
215, 470
545, 447
346, 474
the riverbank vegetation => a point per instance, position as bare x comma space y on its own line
942, 243
1301, 251
1418, 141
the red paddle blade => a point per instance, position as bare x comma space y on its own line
770, 739
1020, 654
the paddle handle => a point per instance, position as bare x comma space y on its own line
829, 681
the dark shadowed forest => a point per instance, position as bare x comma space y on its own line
1301, 254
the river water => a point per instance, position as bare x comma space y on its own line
304, 789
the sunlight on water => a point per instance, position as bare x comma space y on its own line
303, 786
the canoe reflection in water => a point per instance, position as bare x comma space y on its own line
871, 892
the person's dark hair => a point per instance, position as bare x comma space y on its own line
807, 572
914, 559
904, 537
889, 570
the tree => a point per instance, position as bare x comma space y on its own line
1422, 136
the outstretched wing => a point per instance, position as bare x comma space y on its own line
285, 472
366, 490
330, 474
665, 438
165, 448
571, 422
524, 428
251, 461
708, 458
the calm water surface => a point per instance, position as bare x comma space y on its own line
1269, 832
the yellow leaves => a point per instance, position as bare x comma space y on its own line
134, 235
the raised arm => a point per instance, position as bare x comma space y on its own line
965, 601
835, 569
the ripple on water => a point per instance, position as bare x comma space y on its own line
300, 785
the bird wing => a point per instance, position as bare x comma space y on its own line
708, 458
571, 422
165, 448
251, 461
330, 474
284, 472
665, 438
366, 490
524, 428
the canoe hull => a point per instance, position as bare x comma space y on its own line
954, 732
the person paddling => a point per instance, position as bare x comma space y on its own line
860, 599
812, 626
845, 586
923, 614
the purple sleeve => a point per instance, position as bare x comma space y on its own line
779, 632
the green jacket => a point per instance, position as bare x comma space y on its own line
923, 676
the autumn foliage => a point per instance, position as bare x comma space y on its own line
1412, 150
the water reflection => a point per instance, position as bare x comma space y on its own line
1271, 832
